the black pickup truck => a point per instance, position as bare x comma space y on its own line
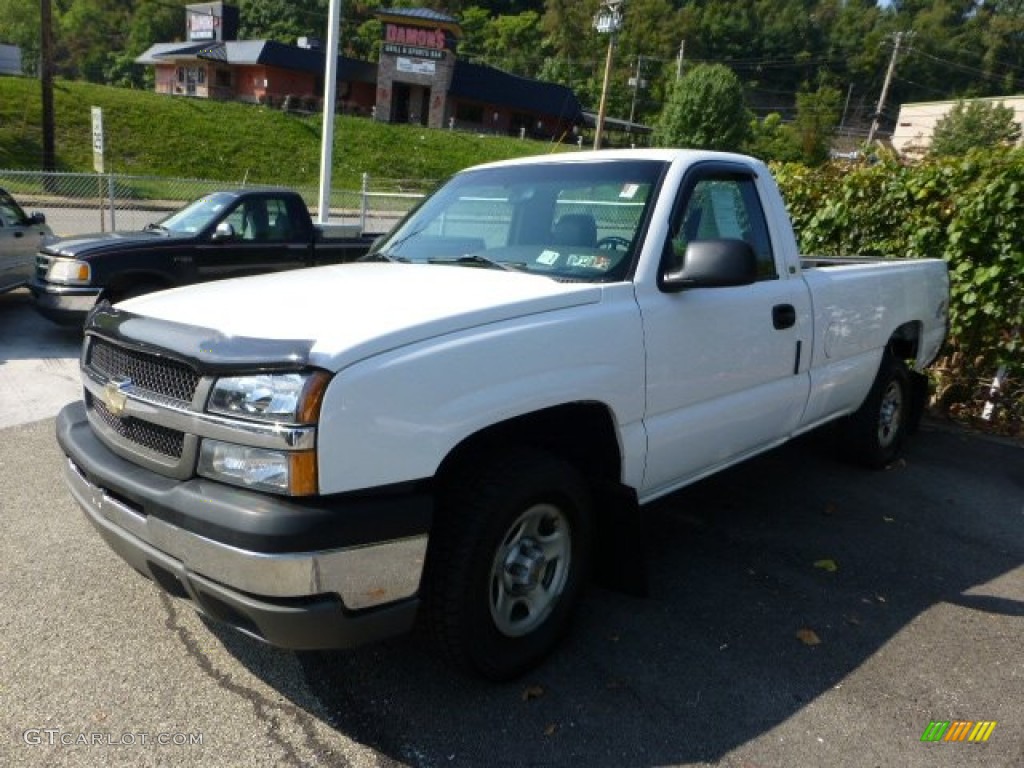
225, 234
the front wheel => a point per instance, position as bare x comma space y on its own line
509, 554
875, 432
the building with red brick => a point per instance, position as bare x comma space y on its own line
419, 78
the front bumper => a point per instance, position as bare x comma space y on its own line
63, 304
331, 572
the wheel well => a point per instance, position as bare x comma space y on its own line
124, 283
581, 433
905, 341
584, 435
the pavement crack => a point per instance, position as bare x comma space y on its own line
273, 713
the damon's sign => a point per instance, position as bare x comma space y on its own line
417, 36
414, 41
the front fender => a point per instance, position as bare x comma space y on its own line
394, 417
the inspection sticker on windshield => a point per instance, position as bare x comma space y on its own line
629, 191
588, 261
547, 257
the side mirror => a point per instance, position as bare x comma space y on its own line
37, 218
713, 264
224, 231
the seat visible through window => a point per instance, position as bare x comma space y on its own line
575, 229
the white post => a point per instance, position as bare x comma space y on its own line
364, 202
330, 95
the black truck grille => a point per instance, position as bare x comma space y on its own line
42, 265
147, 372
168, 442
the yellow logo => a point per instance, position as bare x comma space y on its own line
115, 396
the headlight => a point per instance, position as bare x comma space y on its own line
293, 473
290, 397
69, 272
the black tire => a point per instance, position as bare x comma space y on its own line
876, 431
509, 556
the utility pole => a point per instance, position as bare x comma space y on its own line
607, 21
637, 83
885, 85
679, 59
46, 80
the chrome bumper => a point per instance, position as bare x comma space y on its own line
63, 304
364, 577
290, 593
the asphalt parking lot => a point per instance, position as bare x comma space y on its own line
802, 612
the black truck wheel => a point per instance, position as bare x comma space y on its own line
509, 554
875, 432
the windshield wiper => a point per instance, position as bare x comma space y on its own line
387, 256
476, 260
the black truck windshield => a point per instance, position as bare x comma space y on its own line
198, 215
574, 221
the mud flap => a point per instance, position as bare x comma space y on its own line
919, 385
620, 556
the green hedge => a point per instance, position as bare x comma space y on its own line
968, 211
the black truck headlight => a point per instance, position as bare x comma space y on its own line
69, 272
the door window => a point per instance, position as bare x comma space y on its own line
724, 206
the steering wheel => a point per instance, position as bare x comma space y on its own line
614, 243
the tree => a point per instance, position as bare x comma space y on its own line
19, 25
771, 139
282, 20
705, 110
974, 124
817, 115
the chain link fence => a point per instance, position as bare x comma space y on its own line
79, 203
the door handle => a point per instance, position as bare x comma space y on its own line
783, 316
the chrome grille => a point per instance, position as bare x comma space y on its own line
42, 265
167, 442
146, 372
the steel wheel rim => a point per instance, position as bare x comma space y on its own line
530, 570
890, 414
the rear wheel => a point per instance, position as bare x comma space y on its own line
509, 554
876, 431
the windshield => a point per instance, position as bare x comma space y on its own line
197, 216
572, 220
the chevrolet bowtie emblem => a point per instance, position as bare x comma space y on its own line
115, 395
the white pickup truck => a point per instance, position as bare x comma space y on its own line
457, 427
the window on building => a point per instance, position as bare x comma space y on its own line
222, 78
469, 113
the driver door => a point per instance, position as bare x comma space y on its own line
726, 367
256, 245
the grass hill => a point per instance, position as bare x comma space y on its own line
153, 134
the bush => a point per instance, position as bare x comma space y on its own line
968, 211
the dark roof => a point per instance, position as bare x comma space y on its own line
420, 14
268, 52
479, 82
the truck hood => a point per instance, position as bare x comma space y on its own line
351, 311
84, 246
